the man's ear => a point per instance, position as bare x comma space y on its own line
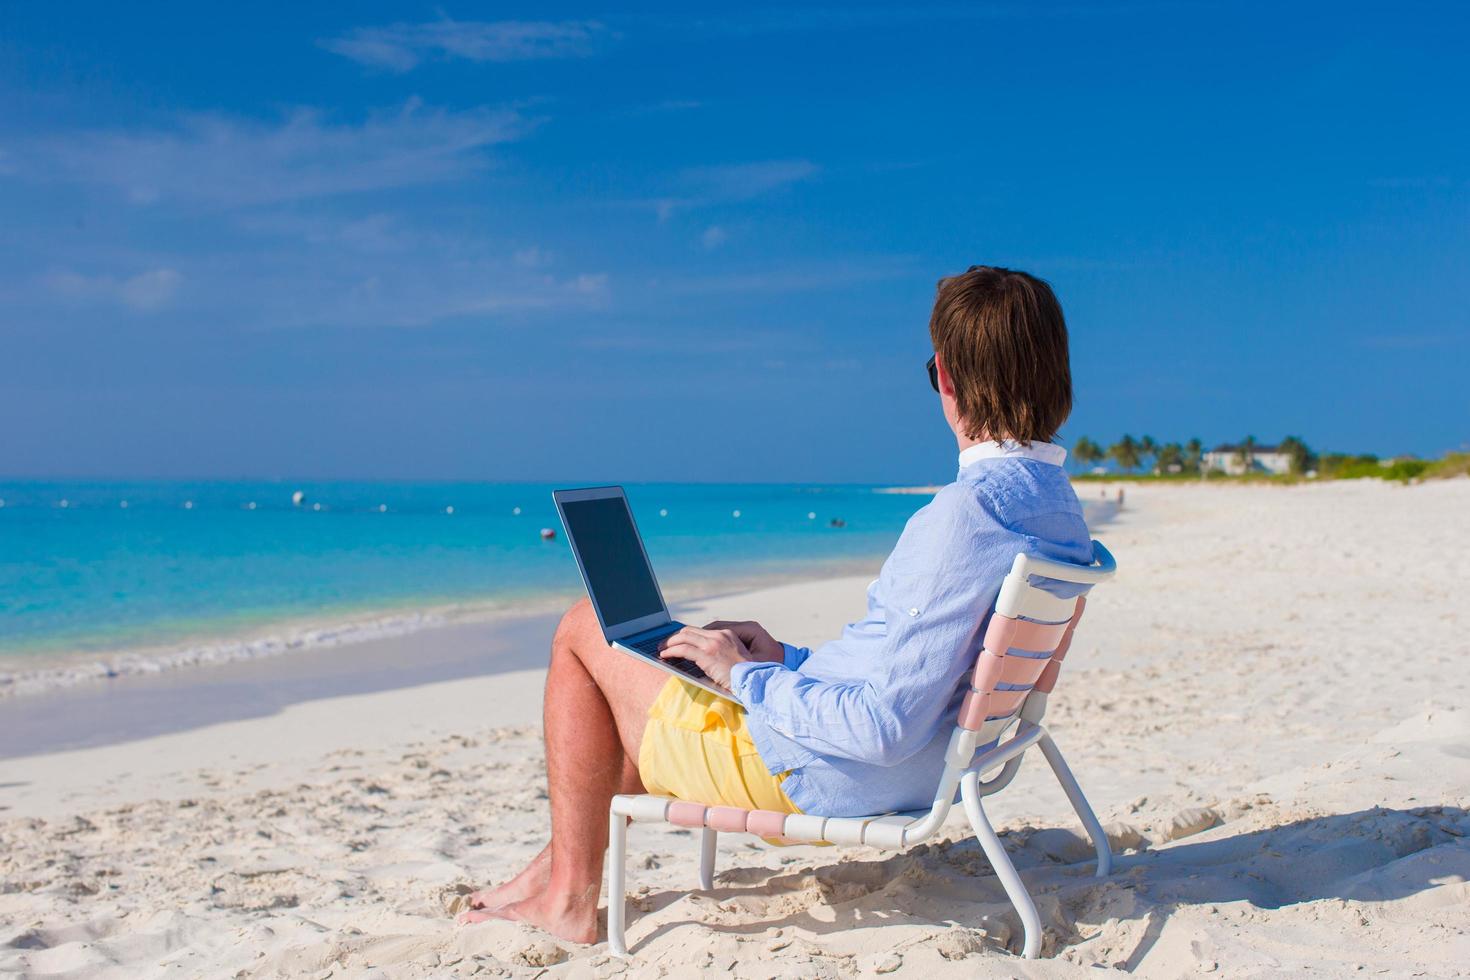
946, 386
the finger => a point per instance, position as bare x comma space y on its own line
678, 636
697, 637
745, 631
682, 651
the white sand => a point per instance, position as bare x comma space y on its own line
1289, 665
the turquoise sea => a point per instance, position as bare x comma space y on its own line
105, 566
95, 566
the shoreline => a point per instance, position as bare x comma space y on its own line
293, 636
84, 709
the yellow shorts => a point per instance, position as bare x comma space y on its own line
696, 747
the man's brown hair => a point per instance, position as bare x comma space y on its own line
1002, 340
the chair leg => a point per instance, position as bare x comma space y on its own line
1080, 804
707, 842
617, 852
1001, 862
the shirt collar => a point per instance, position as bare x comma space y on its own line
1042, 452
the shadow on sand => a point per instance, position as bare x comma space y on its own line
1376, 855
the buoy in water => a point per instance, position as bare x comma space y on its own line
449, 510
297, 498
316, 506
250, 506
734, 513
188, 505
811, 515
516, 511
547, 534
663, 512
382, 508
65, 504
123, 504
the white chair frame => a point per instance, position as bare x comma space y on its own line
1020, 602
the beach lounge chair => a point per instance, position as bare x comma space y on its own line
1038, 607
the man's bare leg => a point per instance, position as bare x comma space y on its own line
596, 706
535, 876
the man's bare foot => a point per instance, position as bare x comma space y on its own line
533, 878
574, 920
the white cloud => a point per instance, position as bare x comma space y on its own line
221, 161
376, 232
714, 236
532, 257
733, 182
146, 292
742, 181
401, 47
585, 291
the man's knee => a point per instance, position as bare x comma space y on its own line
575, 624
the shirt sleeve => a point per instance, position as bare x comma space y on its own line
935, 590
794, 657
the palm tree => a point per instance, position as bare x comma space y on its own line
1302, 458
1246, 454
1147, 448
1194, 455
1125, 453
1087, 452
1170, 457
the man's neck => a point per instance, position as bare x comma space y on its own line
965, 442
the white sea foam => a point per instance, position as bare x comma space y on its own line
18, 679
284, 639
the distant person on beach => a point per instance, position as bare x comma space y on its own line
860, 724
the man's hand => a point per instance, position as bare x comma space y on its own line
763, 647
715, 651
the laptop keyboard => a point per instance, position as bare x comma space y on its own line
649, 647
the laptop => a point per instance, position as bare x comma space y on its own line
619, 579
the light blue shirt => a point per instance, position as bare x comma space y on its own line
862, 723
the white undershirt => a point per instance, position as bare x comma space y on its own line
1042, 452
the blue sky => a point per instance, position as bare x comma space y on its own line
643, 242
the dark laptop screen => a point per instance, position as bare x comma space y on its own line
617, 576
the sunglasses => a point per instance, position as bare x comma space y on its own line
933, 370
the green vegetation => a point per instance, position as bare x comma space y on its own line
1453, 464
1147, 459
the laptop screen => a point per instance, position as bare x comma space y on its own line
612, 559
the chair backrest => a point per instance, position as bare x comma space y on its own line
1028, 634
1038, 608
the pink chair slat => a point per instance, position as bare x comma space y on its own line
686, 814
766, 823
1003, 703
1021, 670
988, 670
1048, 679
1000, 633
1017, 634
973, 711
729, 819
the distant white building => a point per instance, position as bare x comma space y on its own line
1263, 459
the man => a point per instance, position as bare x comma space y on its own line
859, 725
